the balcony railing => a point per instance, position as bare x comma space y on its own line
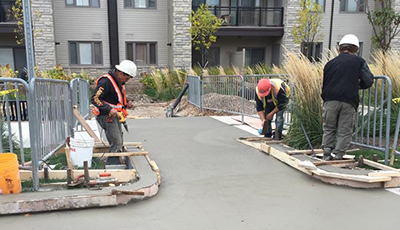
5, 11
248, 16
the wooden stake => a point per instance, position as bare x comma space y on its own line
85, 125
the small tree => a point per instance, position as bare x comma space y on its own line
308, 26
204, 26
385, 23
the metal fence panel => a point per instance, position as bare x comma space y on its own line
52, 116
13, 110
194, 91
80, 97
222, 93
372, 120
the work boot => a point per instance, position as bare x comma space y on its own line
327, 154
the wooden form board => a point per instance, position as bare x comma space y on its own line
122, 175
123, 154
388, 178
85, 125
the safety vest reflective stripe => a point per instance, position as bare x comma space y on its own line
121, 97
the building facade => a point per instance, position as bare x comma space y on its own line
94, 35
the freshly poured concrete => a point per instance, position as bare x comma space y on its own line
210, 181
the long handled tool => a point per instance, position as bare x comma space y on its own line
308, 140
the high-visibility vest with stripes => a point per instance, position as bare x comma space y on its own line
276, 85
120, 107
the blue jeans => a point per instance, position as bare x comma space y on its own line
278, 122
114, 136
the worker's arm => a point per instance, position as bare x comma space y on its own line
98, 96
366, 77
272, 113
260, 109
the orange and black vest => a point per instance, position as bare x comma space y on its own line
121, 106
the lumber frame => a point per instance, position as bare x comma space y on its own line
122, 175
85, 125
123, 154
377, 179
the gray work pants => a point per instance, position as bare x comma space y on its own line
114, 136
338, 118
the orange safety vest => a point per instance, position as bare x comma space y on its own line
120, 107
276, 85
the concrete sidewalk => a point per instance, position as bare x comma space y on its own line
211, 181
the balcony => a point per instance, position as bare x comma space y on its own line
249, 21
7, 21
5, 11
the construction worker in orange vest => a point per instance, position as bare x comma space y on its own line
272, 96
110, 104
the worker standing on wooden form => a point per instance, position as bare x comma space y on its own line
110, 104
272, 96
343, 77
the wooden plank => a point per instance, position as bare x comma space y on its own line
251, 144
345, 157
379, 166
123, 176
127, 144
394, 183
350, 183
285, 158
317, 151
360, 178
123, 154
385, 173
335, 162
69, 161
85, 125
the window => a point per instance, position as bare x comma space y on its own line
253, 56
84, 3
208, 2
85, 53
14, 57
321, 3
140, 4
212, 57
352, 6
312, 50
142, 53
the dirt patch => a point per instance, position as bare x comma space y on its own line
151, 109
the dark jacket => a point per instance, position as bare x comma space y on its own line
281, 97
104, 92
343, 77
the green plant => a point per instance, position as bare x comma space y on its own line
204, 26
309, 25
58, 72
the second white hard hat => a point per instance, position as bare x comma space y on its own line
128, 67
350, 39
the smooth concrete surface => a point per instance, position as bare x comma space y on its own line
211, 181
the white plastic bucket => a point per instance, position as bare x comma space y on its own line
81, 150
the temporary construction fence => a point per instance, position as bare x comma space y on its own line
236, 95
232, 94
50, 117
372, 122
80, 95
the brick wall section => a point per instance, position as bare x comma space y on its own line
44, 42
292, 8
181, 45
396, 40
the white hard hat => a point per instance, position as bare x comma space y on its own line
128, 67
349, 39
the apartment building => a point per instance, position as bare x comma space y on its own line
94, 35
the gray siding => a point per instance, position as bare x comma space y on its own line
144, 25
347, 23
80, 24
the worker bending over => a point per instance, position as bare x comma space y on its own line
272, 96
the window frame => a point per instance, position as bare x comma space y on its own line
89, 6
142, 8
78, 53
313, 57
148, 43
346, 6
